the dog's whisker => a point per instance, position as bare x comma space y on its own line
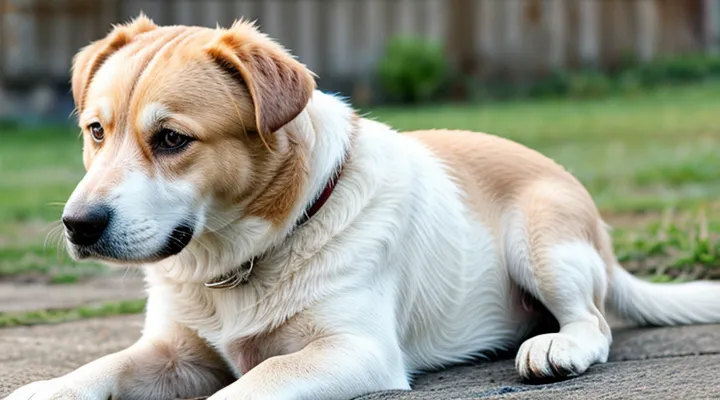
60, 246
125, 274
49, 237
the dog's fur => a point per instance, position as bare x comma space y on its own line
424, 255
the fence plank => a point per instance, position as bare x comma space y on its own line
307, 35
247, 9
647, 22
271, 19
555, 18
343, 39
486, 12
371, 45
436, 15
21, 48
184, 13
512, 23
60, 43
340, 40
212, 13
712, 25
405, 14
589, 32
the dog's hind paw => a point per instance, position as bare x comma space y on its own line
551, 356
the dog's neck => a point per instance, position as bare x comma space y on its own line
327, 127
241, 275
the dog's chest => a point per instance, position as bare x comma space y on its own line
244, 325
244, 353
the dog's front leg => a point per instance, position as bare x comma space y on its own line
333, 367
177, 365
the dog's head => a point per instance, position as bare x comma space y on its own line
182, 135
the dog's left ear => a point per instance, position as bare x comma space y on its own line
91, 57
279, 85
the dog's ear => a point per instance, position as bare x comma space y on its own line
91, 57
279, 85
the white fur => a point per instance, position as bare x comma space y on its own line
103, 113
677, 304
392, 275
567, 290
151, 115
145, 210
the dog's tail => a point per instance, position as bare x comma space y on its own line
663, 304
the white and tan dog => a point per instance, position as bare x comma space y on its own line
294, 250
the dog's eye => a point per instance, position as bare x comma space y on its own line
97, 132
169, 140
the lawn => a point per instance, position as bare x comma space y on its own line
651, 161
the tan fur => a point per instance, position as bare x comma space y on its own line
267, 70
497, 174
239, 157
290, 337
182, 366
88, 61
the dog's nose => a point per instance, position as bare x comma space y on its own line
85, 228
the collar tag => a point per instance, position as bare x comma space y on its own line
234, 279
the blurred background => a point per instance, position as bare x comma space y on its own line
624, 93
513, 43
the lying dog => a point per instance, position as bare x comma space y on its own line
294, 250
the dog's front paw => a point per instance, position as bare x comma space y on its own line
55, 389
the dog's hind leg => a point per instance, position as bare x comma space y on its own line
552, 253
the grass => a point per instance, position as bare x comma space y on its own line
650, 161
39, 168
646, 152
72, 314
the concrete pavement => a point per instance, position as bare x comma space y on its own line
653, 363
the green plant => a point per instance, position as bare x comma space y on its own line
672, 249
556, 84
590, 83
36, 317
412, 69
676, 69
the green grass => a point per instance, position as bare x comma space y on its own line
646, 152
641, 154
39, 167
72, 314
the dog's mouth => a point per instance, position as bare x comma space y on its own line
116, 250
179, 238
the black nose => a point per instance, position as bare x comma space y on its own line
85, 227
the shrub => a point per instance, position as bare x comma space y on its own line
678, 69
590, 84
412, 69
556, 84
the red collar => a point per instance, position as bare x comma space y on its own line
320, 201
241, 274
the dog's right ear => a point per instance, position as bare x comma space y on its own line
91, 57
279, 85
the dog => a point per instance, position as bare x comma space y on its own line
296, 250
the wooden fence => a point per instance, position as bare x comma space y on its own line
342, 40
